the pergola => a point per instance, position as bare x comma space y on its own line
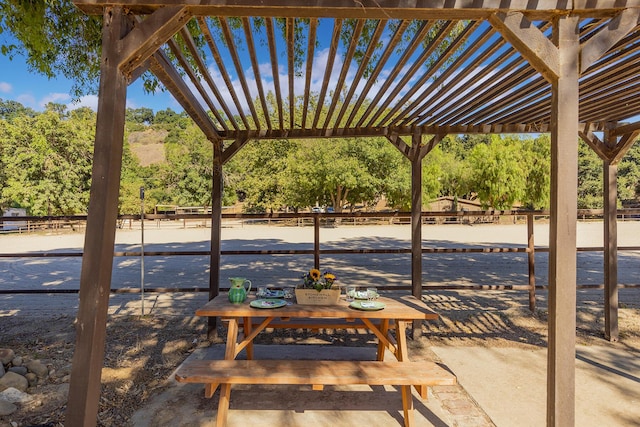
412, 71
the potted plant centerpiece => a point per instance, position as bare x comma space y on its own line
318, 288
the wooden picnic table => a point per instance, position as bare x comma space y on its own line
389, 325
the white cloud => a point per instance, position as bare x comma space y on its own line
55, 97
27, 100
90, 101
5, 87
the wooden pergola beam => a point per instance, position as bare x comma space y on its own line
541, 53
149, 34
375, 9
161, 66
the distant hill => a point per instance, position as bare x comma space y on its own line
148, 146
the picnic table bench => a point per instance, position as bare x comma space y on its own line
397, 314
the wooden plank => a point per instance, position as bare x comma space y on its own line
392, 43
606, 38
562, 235
290, 37
402, 146
161, 66
424, 78
442, 86
196, 82
346, 63
541, 53
311, 48
97, 262
305, 372
248, 34
206, 76
275, 72
374, 9
223, 70
333, 49
416, 42
149, 34
233, 51
405, 307
592, 140
364, 65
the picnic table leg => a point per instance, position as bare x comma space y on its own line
225, 388
246, 329
384, 328
403, 356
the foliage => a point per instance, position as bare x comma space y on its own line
47, 163
45, 167
497, 174
56, 39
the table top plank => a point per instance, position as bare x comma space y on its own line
404, 307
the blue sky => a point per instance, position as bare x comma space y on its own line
33, 90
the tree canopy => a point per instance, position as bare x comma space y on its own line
45, 167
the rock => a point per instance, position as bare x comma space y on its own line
17, 361
38, 368
6, 355
19, 370
2, 371
13, 395
11, 379
7, 408
32, 378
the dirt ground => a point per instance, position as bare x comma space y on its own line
143, 351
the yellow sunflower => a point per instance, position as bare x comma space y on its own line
315, 274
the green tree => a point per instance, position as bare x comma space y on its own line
589, 178
143, 115
47, 162
498, 175
537, 161
629, 174
9, 110
257, 172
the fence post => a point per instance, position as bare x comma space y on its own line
316, 241
532, 259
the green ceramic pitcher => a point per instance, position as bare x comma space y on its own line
238, 292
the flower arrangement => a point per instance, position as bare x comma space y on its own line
314, 279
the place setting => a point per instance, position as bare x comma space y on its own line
272, 298
363, 299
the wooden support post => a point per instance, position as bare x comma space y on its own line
562, 239
416, 225
610, 251
216, 232
97, 261
531, 252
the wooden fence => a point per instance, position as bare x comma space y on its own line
317, 220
